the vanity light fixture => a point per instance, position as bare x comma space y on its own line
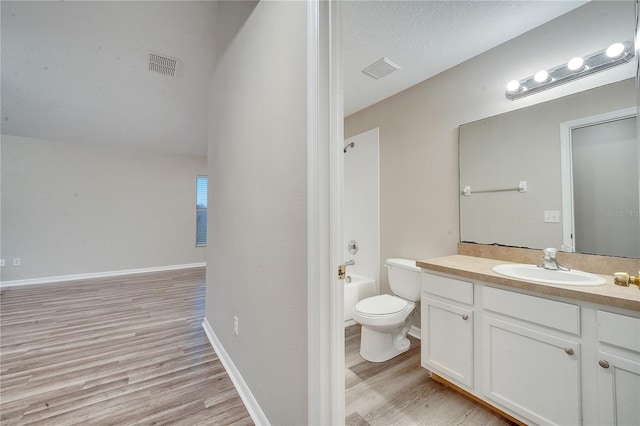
578, 67
541, 77
615, 50
514, 86
576, 64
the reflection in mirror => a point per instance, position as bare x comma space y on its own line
600, 185
525, 145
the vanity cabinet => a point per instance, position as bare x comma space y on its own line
618, 369
543, 360
447, 321
541, 354
531, 360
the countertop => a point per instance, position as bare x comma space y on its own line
479, 268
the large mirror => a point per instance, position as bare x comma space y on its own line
512, 165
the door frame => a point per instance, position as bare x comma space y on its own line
325, 166
566, 168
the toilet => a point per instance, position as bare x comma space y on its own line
386, 319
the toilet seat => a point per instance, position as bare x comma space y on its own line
386, 319
382, 305
385, 311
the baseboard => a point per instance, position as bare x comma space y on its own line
256, 413
349, 322
61, 278
415, 332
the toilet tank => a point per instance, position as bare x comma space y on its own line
404, 278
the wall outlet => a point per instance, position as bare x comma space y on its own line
16, 261
551, 216
235, 325
1, 263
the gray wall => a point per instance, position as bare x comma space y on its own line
419, 194
83, 208
257, 254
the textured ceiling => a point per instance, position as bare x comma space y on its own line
426, 38
77, 71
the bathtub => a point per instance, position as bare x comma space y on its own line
359, 288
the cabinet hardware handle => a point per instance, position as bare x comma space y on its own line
569, 351
465, 317
603, 363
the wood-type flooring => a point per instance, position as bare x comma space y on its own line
125, 350
131, 350
400, 392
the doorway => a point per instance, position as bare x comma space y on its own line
600, 185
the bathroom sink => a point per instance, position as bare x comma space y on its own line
547, 276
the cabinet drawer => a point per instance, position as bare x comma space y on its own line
449, 288
549, 313
619, 330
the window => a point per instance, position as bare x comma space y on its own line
201, 211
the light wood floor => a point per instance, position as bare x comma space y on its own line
131, 350
123, 350
400, 392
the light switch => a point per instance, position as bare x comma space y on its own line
551, 216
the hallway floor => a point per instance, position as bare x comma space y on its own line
121, 350
131, 350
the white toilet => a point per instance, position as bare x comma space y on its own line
386, 319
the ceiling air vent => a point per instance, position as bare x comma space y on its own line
380, 68
162, 64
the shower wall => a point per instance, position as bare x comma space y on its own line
362, 204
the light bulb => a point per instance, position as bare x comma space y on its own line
576, 64
615, 50
541, 76
513, 86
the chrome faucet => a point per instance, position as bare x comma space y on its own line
349, 262
550, 262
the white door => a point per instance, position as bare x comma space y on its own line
605, 188
618, 390
600, 184
535, 374
448, 347
325, 196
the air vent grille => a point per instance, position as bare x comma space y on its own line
380, 68
162, 64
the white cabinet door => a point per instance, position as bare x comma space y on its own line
535, 374
447, 347
618, 390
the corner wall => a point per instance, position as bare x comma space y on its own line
72, 209
257, 254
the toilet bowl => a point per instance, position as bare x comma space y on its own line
386, 319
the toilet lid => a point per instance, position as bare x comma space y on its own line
384, 304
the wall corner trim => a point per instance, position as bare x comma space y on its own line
256, 413
74, 277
